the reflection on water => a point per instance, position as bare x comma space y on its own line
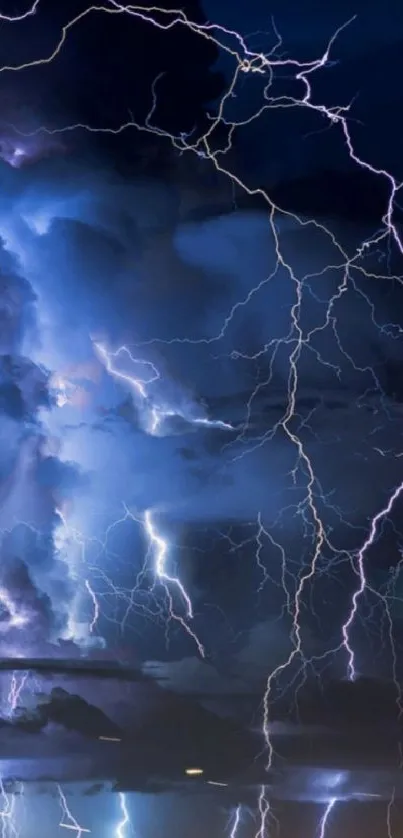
158, 763
34, 808
43, 810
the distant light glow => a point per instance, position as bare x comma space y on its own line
194, 772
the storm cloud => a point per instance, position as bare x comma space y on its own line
204, 304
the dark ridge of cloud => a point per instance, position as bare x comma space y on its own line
86, 668
93, 790
177, 734
71, 712
173, 733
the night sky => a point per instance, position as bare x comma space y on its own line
201, 400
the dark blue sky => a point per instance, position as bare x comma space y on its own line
306, 23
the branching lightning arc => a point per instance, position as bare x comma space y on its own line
246, 63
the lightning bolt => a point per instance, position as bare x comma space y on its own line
8, 828
325, 817
157, 555
156, 412
235, 821
18, 682
160, 547
248, 62
138, 384
360, 570
95, 604
16, 18
68, 820
64, 537
121, 831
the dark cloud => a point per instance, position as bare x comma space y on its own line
363, 704
176, 733
35, 583
182, 270
260, 650
23, 388
145, 272
34, 606
17, 306
78, 667
70, 712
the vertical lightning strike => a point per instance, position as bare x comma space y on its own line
325, 818
8, 828
389, 808
65, 540
160, 548
264, 812
235, 821
68, 820
65, 537
17, 685
95, 604
121, 831
360, 570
